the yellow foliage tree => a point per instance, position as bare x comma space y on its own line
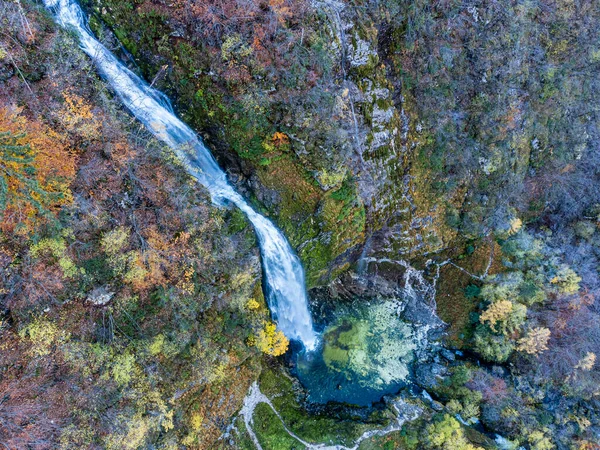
271, 341
252, 305
496, 312
515, 225
536, 341
587, 362
280, 139
196, 421
78, 118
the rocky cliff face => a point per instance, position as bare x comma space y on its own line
377, 128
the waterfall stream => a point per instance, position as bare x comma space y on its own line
284, 275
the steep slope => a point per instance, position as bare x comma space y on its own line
381, 128
460, 138
128, 301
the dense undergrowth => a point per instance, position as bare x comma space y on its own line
460, 135
125, 294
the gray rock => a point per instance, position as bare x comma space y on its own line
269, 197
6, 72
428, 375
417, 312
100, 296
447, 354
437, 406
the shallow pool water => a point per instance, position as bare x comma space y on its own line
365, 353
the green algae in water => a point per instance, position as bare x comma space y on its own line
364, 355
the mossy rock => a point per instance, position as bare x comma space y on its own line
322, 427
373, 348
344, 340
270, 431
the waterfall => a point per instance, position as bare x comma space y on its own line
284, 275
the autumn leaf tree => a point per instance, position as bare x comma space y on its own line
36, 169
535, 341
272, 341
496, 312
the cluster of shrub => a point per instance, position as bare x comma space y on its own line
536, 334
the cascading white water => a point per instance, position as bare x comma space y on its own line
284, 274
